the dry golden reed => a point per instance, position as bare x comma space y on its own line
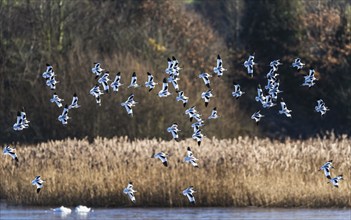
233, 172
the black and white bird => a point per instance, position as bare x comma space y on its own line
11, 152
237, 91
38, 182
206, 96
190, 158
174, 131
176, 67
197, 136
214, 114
96, 92
196, 126
206, 78
193, 113
150, 83
117, 82
18, 126
284, 109
63, 118
188, 192
274, 64
55, 99
169, 70
133, 81
97, 70
49, 72
74, 103
321, 107
298, 64
162, 156
249, 65
173, 79
164, 91
335, 181
257, 117
182, 97
268, 102
129, 191
326, 168
128, 104
260, 97
219, 68
51, 82
25, 122
103, 80
309, 79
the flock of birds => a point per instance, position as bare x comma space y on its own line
267, 98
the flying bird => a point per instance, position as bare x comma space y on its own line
198, 136
191, 159
326, 168
97, 70
74, 103
249, 64
162, 156
257, 117
174, 131
284, 109
104, 81
320, 107
11, 152
117, 82
129, 104
49, 72
206, 78
237, 91
150, 82
206, 96
164, 91
219, 68
55, 99
182, 97
129, 191
133, 82
214, 114
188, 192
274, 64
63, 118
298, 64
335, 181
38, 182
18, 126
96, 92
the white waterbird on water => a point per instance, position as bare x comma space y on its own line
11, 152
38, 182
190, 158
162, 156
62, 209
82, 209
326, 168
129, 191
188, 192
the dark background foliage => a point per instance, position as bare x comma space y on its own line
138, 36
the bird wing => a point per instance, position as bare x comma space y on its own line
191, 197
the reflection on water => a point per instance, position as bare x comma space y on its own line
39, 213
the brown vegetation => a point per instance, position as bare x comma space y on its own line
233, 172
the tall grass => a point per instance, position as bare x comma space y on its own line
233, 172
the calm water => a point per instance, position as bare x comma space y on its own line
177, 213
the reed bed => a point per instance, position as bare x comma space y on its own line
233, 172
